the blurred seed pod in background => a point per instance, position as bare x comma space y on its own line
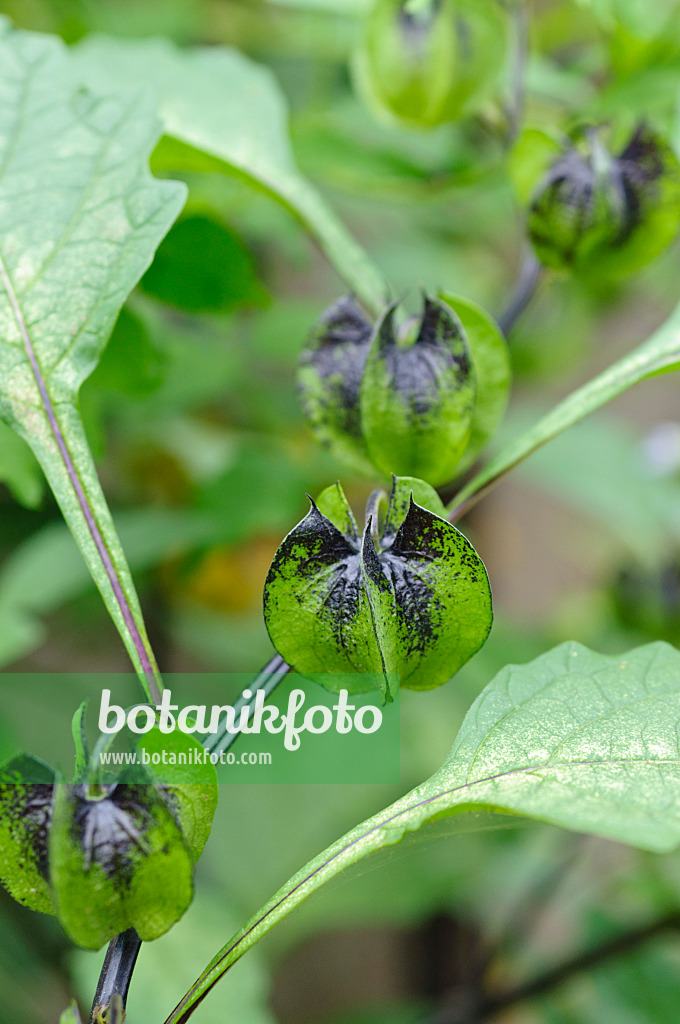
596, 213
418, 399
426, 62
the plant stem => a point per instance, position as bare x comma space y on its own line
350, 261
525, 289
491, 1005
268, 679
659, 354
116, 972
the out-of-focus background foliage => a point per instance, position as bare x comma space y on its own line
205, 459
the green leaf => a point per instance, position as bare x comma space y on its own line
493, 373
415, 602
80, 218
192, 803
19, 469
26, 788
417, 400
601, 468
200, 95
575, 739
117, 862
203, 267
659, 354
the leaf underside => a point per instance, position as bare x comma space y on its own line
80, 219
200, 97
575, 739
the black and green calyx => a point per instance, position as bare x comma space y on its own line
330, 371
602, 214
407, 601
418, 394
104, 857
417, 399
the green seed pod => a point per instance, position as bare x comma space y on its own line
117, 861
418, 395
107, 856
595, 213
413, 400
26, 797
405, 602
331, 367
425, 62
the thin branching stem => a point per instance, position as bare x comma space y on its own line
528, 280
268, 679
490, 1005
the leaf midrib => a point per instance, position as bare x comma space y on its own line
197, 988
79, 490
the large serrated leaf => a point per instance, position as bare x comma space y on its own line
80, 218
576, 739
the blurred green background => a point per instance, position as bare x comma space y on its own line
205, 460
